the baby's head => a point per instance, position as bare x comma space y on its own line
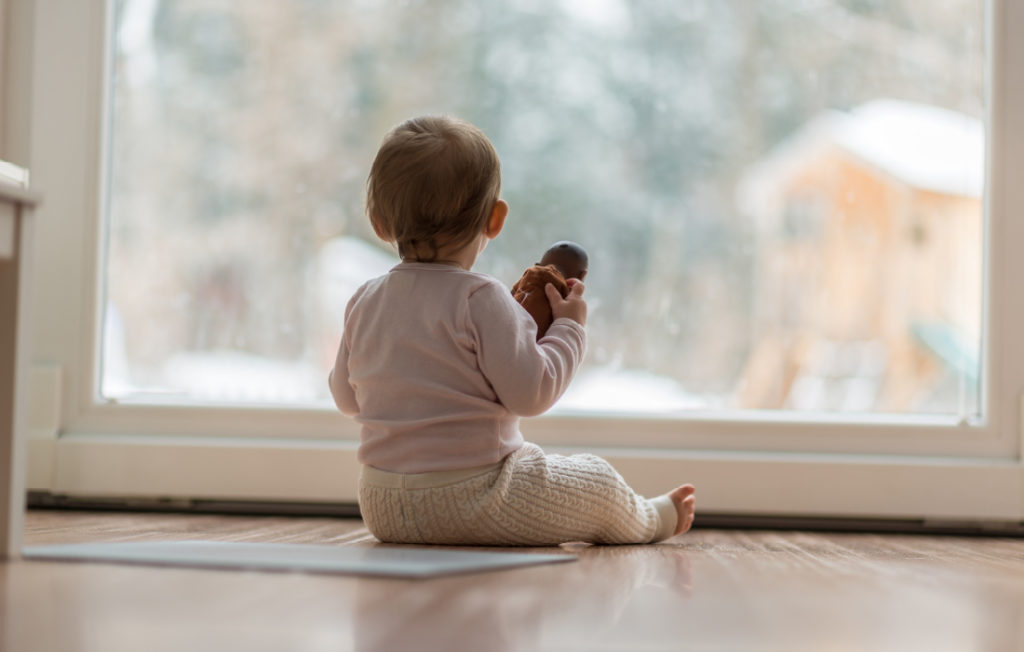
568, 257
432, 186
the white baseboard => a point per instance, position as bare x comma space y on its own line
757, 484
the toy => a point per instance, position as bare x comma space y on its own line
561, 262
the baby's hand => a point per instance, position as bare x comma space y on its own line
572, 306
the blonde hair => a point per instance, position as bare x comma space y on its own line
433, 184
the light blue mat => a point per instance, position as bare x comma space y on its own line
380, 561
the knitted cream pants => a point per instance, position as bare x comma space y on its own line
528, 499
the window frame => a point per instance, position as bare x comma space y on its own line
800, 464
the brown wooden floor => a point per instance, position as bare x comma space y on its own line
707, 590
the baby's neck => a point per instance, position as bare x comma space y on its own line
463, 257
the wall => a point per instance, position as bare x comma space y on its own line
4, 46
16, 20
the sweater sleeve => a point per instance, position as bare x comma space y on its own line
341, 389
528, 376
343, 392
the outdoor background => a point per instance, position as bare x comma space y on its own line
782, 200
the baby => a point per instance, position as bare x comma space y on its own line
560, 264
437, 363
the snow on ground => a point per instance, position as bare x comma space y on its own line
233, 377
607, 389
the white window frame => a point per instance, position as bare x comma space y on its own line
749, 463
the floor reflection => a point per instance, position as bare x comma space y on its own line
521, 609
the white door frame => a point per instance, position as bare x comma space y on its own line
755, 463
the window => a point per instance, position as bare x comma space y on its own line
679, 143
801, 228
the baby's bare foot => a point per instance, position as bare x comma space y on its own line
685, 501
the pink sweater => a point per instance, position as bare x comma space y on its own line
437, 364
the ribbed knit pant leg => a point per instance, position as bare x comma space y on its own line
529, 499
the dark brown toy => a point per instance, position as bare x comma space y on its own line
562, 261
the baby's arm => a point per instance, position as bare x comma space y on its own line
528, 376
343, 392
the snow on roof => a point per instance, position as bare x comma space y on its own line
928, 147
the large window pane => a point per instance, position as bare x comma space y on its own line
782, 200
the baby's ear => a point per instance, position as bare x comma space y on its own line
497, 219
583, 273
